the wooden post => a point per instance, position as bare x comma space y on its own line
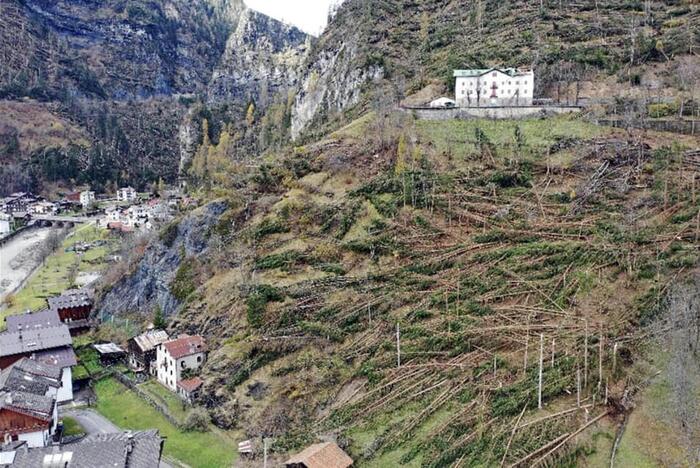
369, 314
539, 390
578, 386
398, 345
527, 342
585, 358
265, 452
494, 363
614, 363
600, 358
553, 340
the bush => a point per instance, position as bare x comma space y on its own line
197, 421
257, 302
169, 234
662, 109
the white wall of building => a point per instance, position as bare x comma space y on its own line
65, 393
35, 439
170, 370
495, 88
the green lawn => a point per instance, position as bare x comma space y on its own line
166, 397
71, 427
52, 277
124, 408
459, 136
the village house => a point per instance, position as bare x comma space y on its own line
87, 198
43, 208
180, 356
494, 87
188, 389
49, 318
323, 455
142, 350
126, 194
47, 343
109, 353
29, 375
27, 417
72, 306
17, 202
142, 449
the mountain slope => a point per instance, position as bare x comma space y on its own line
477, 242
109, 67
412, 43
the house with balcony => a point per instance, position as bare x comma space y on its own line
178, 359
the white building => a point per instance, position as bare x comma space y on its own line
494, 87
176, 356
43, 207
87, 198
5, 224
126, 194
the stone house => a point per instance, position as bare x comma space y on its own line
494, 87
177, 357
142, 350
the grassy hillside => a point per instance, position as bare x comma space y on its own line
482, 241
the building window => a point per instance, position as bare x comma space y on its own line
199, 358
182, 364
517, 82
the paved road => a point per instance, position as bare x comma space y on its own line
92, 422
95, 423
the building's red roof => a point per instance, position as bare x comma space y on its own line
185, 346
190, 385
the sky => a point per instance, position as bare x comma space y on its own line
308, 15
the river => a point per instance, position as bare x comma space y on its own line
19, 258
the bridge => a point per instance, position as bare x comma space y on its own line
49, 220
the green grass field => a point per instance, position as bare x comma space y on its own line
459, 136
166, 397
199, 450
71, 427
52, 277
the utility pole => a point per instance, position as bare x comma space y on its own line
398, 345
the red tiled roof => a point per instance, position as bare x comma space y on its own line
325, 455
185, 346
190, 385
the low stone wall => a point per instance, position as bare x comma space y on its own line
685, 127
464, 113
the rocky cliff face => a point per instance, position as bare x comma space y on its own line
90, 58
151, 284
262, 57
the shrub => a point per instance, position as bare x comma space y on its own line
169, 234
662, 109
184, 282
197, 421
257, 301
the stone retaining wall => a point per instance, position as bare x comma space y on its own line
464, 113
685, 127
